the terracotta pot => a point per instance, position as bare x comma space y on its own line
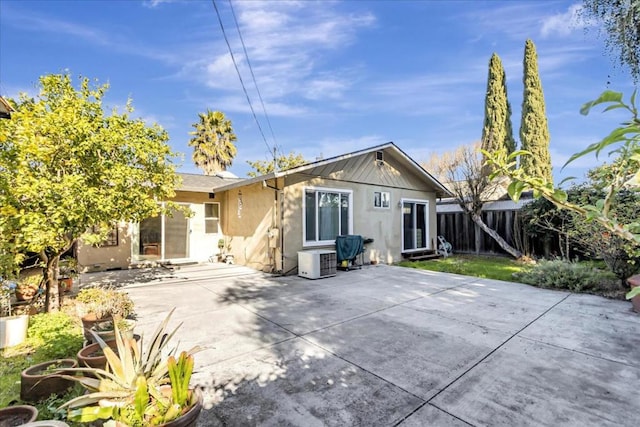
66, 283
89, 321
34, 385
91, 355
634, 281
46, 423
17, 415
104, 330
26, 293
190, 418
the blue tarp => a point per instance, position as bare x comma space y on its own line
348, 247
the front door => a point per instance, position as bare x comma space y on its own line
415, 225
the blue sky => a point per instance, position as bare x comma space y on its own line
335, 76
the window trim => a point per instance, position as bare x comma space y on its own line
382, 206
427, 225
349, 192
208, 218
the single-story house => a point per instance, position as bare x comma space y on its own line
379, 193
5, 109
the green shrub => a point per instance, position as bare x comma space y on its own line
104, 302
573, 276
56, 335
50, 336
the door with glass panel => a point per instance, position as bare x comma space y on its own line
176, 236
161, 237
415, 225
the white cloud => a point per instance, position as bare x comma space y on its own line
323, 88
155, 3
516, 20
563, 24
35, 22
287, 43
89, 34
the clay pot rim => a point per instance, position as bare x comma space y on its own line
31, 371
94, 346
16, 409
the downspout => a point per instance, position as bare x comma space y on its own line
282, 226
278, 226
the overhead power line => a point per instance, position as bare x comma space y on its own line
255, 83
235, 64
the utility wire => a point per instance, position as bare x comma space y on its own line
235, 64
255, 83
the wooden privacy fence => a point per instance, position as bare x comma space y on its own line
459, 229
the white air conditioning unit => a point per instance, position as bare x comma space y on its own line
316, 264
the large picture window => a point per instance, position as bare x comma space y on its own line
327, 214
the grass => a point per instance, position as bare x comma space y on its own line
486, 267
50, 336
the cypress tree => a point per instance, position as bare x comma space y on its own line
534, 131
497, 132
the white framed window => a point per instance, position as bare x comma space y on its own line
381, 199
211, 218
415, 225
327, 213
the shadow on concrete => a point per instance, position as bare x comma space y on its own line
289, 380
121, 278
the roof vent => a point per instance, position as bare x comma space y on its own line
226, 175
380, 156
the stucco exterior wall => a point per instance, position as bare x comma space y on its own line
202, 245
100, 258
251, 226
262, 222
383, 225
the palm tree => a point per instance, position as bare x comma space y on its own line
213, 142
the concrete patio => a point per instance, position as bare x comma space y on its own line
386, 346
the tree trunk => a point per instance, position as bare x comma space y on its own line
477, 238
52, 300
495, 236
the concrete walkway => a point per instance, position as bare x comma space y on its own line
386, 346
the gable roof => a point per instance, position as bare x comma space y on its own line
204, 183
441, 190
5, 109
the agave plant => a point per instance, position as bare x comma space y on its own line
136, 388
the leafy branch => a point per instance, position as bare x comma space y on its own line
623, 145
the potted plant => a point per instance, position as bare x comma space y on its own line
138, 387
13, 328
98, 305
26, 291
92, 355
225, 254
634, 293
68, 268
41, 380
18, 415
